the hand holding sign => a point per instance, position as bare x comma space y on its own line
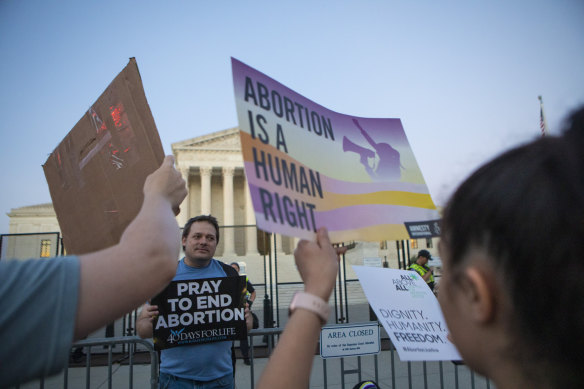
318, 264
167, 183
150, 312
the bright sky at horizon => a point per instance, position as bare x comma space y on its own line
463, 76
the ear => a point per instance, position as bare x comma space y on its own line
479, 285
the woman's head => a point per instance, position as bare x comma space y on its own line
522, 216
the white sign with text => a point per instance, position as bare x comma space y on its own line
350, 340
409, 312
373, 261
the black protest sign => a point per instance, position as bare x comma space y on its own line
424, 229
200, 311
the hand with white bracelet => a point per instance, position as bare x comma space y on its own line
290, 364
318, 264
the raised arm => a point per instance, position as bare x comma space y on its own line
120, 278
365, 134
290, 364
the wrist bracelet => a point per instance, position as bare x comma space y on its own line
311, 303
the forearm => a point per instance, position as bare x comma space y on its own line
154, 238
119, 279
291, 362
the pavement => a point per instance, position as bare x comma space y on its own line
326, 373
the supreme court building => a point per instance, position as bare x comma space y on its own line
212, 167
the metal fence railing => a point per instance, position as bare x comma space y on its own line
386, 369
106, 369
128, 369
269, 266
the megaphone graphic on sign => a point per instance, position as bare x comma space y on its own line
355, 148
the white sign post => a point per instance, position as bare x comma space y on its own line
350, 340
409, 312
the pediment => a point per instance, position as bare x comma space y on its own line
45, 209
226, 140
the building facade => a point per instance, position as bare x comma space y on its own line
212, 167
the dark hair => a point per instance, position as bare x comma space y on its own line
201, 218
424, 253
525, 209
236, 264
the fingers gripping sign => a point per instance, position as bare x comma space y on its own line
167, 182
318, 264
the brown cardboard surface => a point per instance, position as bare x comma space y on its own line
97, 172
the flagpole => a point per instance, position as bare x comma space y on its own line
542, 122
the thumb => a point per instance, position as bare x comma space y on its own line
168, 160
341, 250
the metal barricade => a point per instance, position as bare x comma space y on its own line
92, 376
386, 369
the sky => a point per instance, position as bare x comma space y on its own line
463, 76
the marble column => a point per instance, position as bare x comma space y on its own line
184, 214
206, 172
251, 247
280, 245
295, 244
228, 212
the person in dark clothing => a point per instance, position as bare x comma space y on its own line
251, 295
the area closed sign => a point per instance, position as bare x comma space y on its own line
350, 340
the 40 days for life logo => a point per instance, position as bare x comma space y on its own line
181, 336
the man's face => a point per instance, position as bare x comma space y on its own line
422, 260
201, 242
236, 268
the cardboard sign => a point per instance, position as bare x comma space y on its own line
97, 173
349, 340
309, 167
409, 312
200, 311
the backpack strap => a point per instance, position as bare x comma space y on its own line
229, 271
